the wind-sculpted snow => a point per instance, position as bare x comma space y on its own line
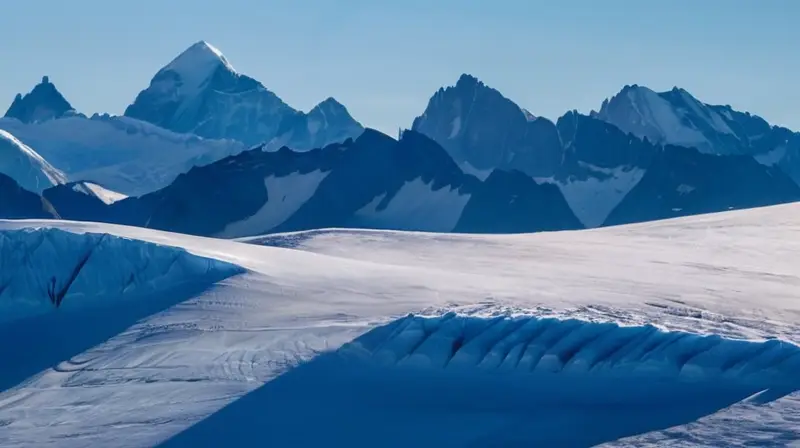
43, 269
504, 381
530, 344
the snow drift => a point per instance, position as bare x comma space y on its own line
503, 381
42, 269
527, 344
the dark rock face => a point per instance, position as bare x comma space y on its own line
18, 203
478, 125
683, 182
76, 203
524, 205
44, 102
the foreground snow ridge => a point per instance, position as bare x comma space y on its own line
504, 381
48, 268
551, 345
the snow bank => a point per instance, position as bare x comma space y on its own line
453, 380
549, 345
44, 269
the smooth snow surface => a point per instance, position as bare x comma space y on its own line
30, 170
416, 206
123, 154
514, 340
285, 195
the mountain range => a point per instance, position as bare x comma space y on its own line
209, 151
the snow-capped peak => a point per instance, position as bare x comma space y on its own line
673, 117
199, 92
196, 64
331, 109
30, 170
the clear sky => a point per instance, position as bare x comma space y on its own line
383, 59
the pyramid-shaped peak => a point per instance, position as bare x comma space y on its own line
329, 102
200, 58
329, 105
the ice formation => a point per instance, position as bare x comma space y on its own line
43, 269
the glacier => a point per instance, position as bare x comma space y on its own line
680, 332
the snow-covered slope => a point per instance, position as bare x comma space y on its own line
125, 155
200, 92
30, 170
51, 268
515, 340
102, 194
484, 130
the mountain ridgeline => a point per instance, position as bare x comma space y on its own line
473, 161
644, 156
373, 181
200, 93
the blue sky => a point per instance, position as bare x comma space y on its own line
384, 59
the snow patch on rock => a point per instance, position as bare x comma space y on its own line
594, 198
416, 206
285, 195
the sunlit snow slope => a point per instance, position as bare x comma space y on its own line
513, 340
25, 166
123, 154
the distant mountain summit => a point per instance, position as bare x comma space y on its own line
620, 164
43, 103
199, 92
483, 130
675, 117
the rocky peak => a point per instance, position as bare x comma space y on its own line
43, 103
